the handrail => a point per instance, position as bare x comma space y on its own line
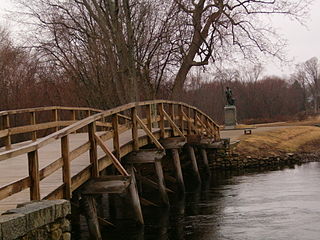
15, 122
39, 109
187, 120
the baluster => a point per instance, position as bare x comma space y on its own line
93, 150
149, 120
6, 125
116, 141
189, 121
33, 122
134, 129
172, 115
161, 122
33, 165
66, 168
195, 121
181, 118
55, 115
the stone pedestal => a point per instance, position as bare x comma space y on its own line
230, 117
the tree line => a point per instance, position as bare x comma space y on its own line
111, 52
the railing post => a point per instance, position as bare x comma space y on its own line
55, 115
66, 170
116, 141
6, 125
74, 117
181, 118
189, 121
149, 120
161, 123
172, 115
93, 150
195, 121
134, 129
202, 128
33, 122
33, 164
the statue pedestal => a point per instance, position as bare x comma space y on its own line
230, 117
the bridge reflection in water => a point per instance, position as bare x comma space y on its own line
281, 204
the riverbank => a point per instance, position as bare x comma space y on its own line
291, 140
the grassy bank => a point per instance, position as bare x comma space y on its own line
300, 139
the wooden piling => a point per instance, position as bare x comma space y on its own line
194, 163
177, 165
135, 197
205, 160
162, 187
90, 210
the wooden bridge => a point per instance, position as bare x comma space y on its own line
50, 152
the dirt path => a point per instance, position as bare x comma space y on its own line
236, 134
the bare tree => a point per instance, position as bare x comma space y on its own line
217, 28
116, 51
308, 74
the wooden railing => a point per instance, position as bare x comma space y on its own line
37, 121
158, 119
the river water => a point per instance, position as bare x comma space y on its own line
278, 204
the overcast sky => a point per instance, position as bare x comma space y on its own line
303, 41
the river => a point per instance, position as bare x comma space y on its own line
279, 204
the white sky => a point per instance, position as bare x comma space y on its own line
303, 41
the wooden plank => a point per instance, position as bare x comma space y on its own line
14, 187
93, 149
40, 126
4, 133
116, 139
145, 156
149, 133
104, 124
124, 116
103, 185
56, 194
172, 124
33, 164
203, 126
43, 109
79, 150
66, 171
115, 161
80, 178
51, 168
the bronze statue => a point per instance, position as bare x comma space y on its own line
230, 100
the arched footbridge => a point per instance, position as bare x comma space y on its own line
50, 152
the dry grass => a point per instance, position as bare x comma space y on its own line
277, 142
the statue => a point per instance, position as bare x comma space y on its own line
230, 100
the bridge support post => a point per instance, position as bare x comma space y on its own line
177, 166
162, 187
193, 159
205, 160
135, 197
90, 210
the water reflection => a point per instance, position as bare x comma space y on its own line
280, 204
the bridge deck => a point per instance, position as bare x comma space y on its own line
17, 167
